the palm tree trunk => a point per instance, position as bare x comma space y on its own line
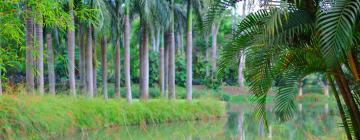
82, 59
144, 63
40, 60
94, 63
51, 70
104, 68
189, 52
214, 31
341, 110
127, 55
172, 56
353, 67
117, 68
171, 64
89, 65
166, 63
349, 101
29, 48
71, 50
162, 67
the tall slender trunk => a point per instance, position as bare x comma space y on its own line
82, 59
171, 69
71, 50
349, 101
40, 60
117, 68
353, 66
341, 110
214, 33
104, 67
162, 67
144, 63
94, 63
127, 55
51, 70
166, 63
89, 65
189, 53
29, 48
172, 55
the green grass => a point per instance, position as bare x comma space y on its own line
59, 115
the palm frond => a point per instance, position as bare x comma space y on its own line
336, 28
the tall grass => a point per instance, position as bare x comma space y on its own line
60, 115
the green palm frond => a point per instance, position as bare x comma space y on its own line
336, 28
216, 9
250, 26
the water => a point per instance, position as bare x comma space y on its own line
311, 122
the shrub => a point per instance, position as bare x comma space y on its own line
53, 116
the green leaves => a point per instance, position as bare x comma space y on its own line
336, 28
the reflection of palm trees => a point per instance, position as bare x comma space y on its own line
241, 130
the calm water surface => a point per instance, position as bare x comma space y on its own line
311, 122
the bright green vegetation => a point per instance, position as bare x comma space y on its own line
313, 122
59, 115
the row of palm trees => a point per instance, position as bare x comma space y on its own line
111, 20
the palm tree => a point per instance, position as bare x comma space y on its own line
144, 61
94, 62
171, 46
40, 60
162, 65
50, 60
144, 9
189, 43
189, 52
82, 57
89, 64
71, 49
104, 67
29, 48
127, 53
117, 68
214, 32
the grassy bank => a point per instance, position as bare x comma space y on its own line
54, 116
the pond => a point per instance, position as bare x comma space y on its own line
315, 122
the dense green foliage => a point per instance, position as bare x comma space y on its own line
56, 116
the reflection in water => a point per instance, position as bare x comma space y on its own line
315, 122
270, 132
326, 108
241, 131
